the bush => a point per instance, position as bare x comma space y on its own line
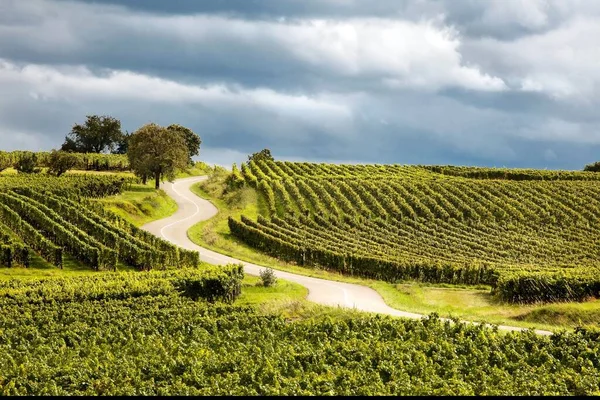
267, 276
27, 163
595, 167
5, 160
60, 162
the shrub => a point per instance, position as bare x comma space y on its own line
267, 276
60, 162
27, 163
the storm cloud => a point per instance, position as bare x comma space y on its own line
495, 83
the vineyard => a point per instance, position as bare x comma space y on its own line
531, 235
51, 216
85, 161
156, 334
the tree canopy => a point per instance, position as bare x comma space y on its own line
263, 155
98, 134
157, 151
122, 144
192, 140
595, 167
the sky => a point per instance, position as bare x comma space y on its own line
498, 83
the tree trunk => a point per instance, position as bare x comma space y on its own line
144, 179
157, 180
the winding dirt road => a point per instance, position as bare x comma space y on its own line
193, 209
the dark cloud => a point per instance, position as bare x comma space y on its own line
427, 82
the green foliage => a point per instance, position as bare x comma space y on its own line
263, 155
50, 217
267, 277
192, 140
13, 253
158, 152
85, 161
27, 163
235, 180
6, 160
594, 167
140, 337
97, 135
122, 144
509, 229
208, 283
61, 162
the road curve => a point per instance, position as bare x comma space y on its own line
193, 209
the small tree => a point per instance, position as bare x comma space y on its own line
192, 140
96, 135
60, 162
27, 163
267, 276
156, 151
264, 155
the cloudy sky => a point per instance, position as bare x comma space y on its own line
494, 83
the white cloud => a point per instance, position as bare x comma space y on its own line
44, 83
400, 53
563, 63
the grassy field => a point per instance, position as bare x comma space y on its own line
467, 302
141, 204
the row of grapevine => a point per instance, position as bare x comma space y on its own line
400, 216
146, 334
12, 252
85, 161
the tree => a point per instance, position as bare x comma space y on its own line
27, 163
263, 155
156, 151
122, 144
192, 140
96, 135
595, 167
60, 162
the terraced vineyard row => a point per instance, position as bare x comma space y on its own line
52, 218
531, 239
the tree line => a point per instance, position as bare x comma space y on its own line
152, 151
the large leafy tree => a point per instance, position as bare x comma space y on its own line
97, 134
192, 140
157, 151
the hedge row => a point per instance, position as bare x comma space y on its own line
565, 285
85, 161
211, 283
369, 267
